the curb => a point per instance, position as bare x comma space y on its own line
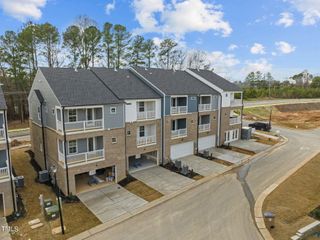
259, 219
165, 198
18, 130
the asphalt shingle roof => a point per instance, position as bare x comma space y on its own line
220, 82
125, 84
175, 82
78, 88
3, 105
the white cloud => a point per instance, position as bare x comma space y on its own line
284, 47
233, 47
110, 7
286, 19
257, 48
309, 8
23, 9
223, 63
180, 17
261, 65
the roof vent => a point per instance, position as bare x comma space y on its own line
75, 69
128, 76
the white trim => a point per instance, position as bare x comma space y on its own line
94, 144
176, 97
69, 147
84, 107
113, 113
68, 111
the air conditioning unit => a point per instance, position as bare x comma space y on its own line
44, 176
19, 181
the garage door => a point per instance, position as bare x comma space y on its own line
181, 150
207, 142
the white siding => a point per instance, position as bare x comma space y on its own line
131, 109
207, 142
181, 150
226, 98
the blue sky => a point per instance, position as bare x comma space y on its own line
238, 36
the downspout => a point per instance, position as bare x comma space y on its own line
43, 138
219, 118
65, 150
9, 162
163, 109
241, 116
198, 116
125, 140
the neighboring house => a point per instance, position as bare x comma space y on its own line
231, 104
77, 125
142, 116
7, 188
100, 124
190, 111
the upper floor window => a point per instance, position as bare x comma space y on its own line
141, 106
141, 131
73, 146
72, 115
113, 110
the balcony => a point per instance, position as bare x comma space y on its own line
81, 125
146, 115
235, 120
148, 140
179, 133
236, 102
204, 127
205, 107
4, 172
179, 110
86, 157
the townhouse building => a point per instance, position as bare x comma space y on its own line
7, 188
100, 124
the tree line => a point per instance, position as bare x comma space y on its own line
82, 45
259, 85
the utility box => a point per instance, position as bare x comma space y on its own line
246, 133
44, 176
269, 219
19, 181
52, 212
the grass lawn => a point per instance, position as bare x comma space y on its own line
294, 199
77, 218
17, 124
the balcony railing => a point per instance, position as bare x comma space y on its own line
83, 157
205, 107
2, 134
4, 172
179, 133
146, 115
235, 120
179, 110
81, 125
236, 102
204, 127
146, 140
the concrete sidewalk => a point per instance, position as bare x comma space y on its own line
228, 155
4, 233
250, 145
162, 180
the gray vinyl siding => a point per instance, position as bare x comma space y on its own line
167, 105
3, 158
215, 101
116, 120
50, 99
82, 144
192, 103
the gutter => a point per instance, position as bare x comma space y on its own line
219, 119
198, 116
9, 163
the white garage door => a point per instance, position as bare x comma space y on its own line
207, 142
181, 150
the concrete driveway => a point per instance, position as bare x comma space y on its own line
110, 202
250, 145
162, 180
228, 155
203, 166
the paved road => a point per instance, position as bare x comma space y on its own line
278, 102
219, 209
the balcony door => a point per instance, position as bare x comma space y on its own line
92, 144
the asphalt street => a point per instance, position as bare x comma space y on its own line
221, 208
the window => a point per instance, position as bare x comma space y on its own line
72, 115
53, 112
141, 131
39, 113
73, 146
91, 144
89, 114
141, 106
114, 140
128, 133
113, 110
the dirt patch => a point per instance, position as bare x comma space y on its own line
294, 199
225, 163
140, 189
77, 218
298, 107
17, 124
290, 115
17, 143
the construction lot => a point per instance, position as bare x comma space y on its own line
77, 218
294, 199
300, 116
